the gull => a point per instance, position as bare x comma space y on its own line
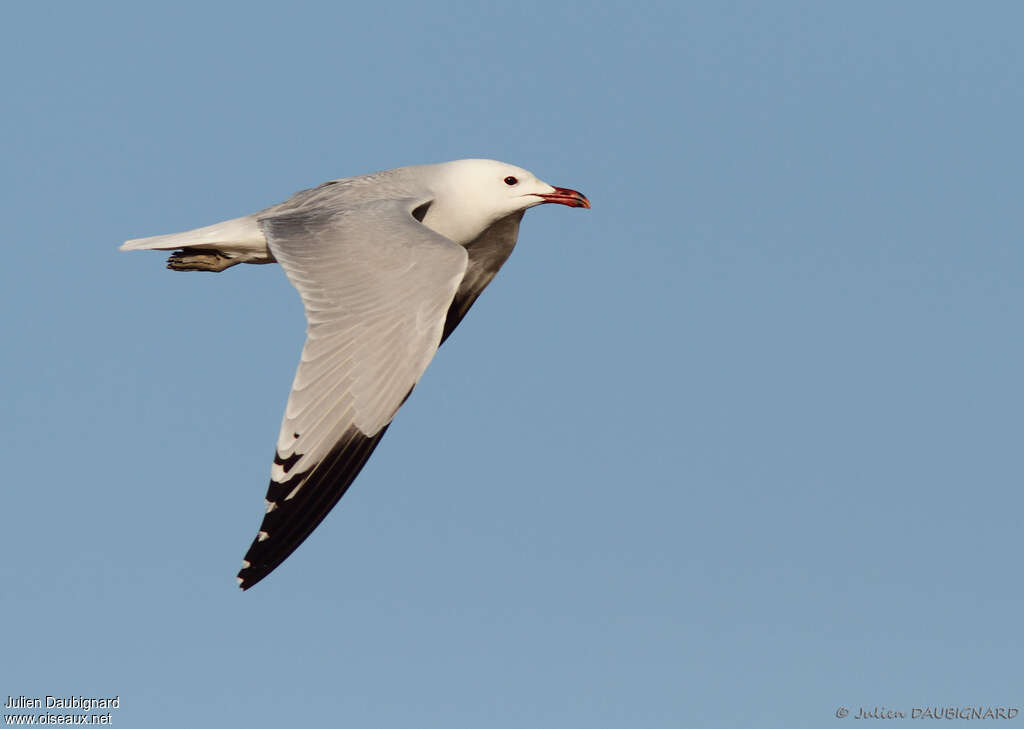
386, 265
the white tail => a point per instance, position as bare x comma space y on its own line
241, 235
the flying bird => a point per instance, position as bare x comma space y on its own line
387, 265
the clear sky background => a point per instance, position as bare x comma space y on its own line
736, 447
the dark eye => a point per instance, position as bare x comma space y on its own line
511, 180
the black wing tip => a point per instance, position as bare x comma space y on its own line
286, 526
249, 576
256, 565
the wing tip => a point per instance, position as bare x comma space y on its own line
286, 527
249, 576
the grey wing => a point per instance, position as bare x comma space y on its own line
376, 285
487, 253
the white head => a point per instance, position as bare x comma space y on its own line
471, 194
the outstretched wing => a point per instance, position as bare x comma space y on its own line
377, 286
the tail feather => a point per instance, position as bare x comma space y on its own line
240, 234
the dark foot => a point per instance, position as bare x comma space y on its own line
199, 259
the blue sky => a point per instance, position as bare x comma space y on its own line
736, 447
